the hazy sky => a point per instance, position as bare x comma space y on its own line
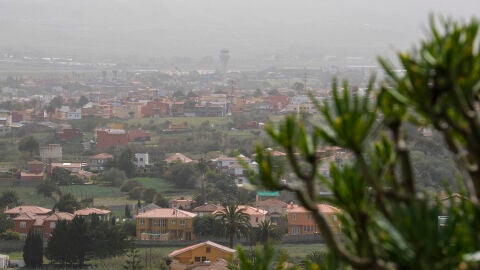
196, 28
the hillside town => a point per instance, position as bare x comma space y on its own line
214, 135
111, 129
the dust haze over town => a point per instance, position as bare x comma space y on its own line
150, 118
258, 34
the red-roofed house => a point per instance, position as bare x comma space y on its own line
155, 108
178, 157
206, 210
37, 210
301, 222
43, 224
50, 222
278, 103
205, 254
257, 215
181, 203
34, 173
87, 213
97, 162
165, 224
274, 207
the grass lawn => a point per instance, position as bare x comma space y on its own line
159, 184
95, 191
301, 250
27, 194
164, 187
102, 195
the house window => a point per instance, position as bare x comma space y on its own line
164, 222
52, 225
23, 224
295, 230
204, 258
197, 259
294, 216
208, 250
173, 221
256, 219
142, 221
309, 216
182, 222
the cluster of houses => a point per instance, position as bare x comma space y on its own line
144, 102
43, 220
51, 158
176, 223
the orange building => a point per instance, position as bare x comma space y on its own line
205, 254
301, 221
165, 224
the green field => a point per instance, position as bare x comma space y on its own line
27, 194
89, 191
159, 184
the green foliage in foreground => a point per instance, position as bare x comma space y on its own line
76, 241
33, 250
387, 221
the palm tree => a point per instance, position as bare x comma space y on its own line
235, 222
266, 231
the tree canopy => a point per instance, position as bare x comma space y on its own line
9, 199
28, 144
67, 203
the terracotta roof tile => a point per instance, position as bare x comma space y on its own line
102, 156
207, 208
60, 216
322, 208
270, 202
166, 213
207, 243
91, 211
28, 208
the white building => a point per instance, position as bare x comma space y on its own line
141, 160
51, 153
74, 114
4, 261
